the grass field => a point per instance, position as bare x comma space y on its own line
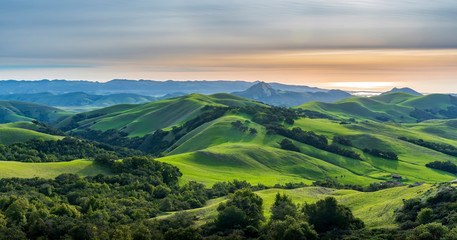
376, 209
50, 170
21, 131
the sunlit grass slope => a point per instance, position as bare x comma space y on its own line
141, 119
15, 111
394, 107
257, 164
21, 131
216, 151
50, 170
376, 209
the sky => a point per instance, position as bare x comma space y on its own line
352, 44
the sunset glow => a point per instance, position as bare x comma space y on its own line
359, 44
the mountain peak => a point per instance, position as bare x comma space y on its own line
260, 90
405, 90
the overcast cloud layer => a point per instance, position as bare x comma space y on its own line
63, 38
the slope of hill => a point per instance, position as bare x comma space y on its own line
405, 90
20, 132
399, 107
51, 169
138, 120
15, 111
376, 209
216, 151
264, 92
75, 99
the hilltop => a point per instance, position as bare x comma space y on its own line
405, 90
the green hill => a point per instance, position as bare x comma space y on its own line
15, 111
51, 170
376, 209
218, 151
20, 132
138, 120
397, 106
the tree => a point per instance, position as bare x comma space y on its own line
189, 233
290, 228
431, 231
327, 214
248, 202
17, 211
425, 215
283, 207
232, 218
286, 144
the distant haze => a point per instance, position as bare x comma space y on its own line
358, 45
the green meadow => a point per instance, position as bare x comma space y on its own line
376, 209
21, 131
51, 169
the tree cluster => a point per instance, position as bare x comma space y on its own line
66, 149
440, 147
311, 138
381, 153
443, 166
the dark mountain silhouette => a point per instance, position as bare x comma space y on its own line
265, 93
405, 90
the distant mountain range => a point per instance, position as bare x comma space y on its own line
265, 93
141, 87
77, 99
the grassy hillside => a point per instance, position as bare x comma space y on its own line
14, 111
376, 209
20, 132
216, 151
50, 170
398, 106
138, 120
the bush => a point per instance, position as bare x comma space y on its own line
327, 214
286, 144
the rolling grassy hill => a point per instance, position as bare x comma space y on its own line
138, 120
397, 106
216, 151
51, 170
376, 209
20, 132
15, 111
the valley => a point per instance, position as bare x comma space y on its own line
343, 150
